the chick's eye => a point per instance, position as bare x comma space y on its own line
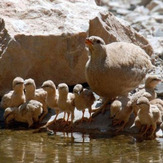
98, 41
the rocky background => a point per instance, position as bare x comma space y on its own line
45, 39
146, 17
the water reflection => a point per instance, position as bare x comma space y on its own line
26, 147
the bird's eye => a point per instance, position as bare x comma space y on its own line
18, 83
98, 41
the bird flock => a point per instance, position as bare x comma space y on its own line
27, 104
112, 71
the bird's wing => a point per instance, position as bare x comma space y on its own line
147, 95
23, 109
156, 113
72, 99
87, 94
40, 93
6, 99
137, 95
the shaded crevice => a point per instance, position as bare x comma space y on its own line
4, 37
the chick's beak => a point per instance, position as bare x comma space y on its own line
42, 86
88, 42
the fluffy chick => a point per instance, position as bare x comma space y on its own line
148, 91
15, 97
159, 103
115, 69
32, 93
52, 96
115, 107
28, 112
121, 109
148, 116
66, 101
84, 98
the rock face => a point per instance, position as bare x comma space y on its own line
46, 39
111, 30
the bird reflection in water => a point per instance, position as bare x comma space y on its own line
24, 146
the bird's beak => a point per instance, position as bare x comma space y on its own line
159, 80
88, 42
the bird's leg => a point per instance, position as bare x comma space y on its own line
45, 111
135, 110
64, 115
145, 131
72, 117
83, 111
102, 108
152, 134
51, 122
57, 112
90, 112
69, 127
121, 128
142, 128
9, 118
30, 122
116, 122
68, 116
64, 121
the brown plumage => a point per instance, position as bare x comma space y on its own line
148, 116
115, 69
66, 101
148, 91
32, 93
121, 109
159, 103
52, 96
84, 99
115, 107
28, 112
15, 97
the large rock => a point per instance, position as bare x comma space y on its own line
112, 30
45, 39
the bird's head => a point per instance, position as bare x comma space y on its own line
8, 111
18, 83
152, 81
77, 89
63, 88
143, 102
29, 84
94, 43
48, 86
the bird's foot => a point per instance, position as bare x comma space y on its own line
69, 126
151, 133
116, 122
99, 110
144, 133
84, 119
66, 123
151, 137
90, 119
50, 132
41, 129
41, 119
96, 113
119, 129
